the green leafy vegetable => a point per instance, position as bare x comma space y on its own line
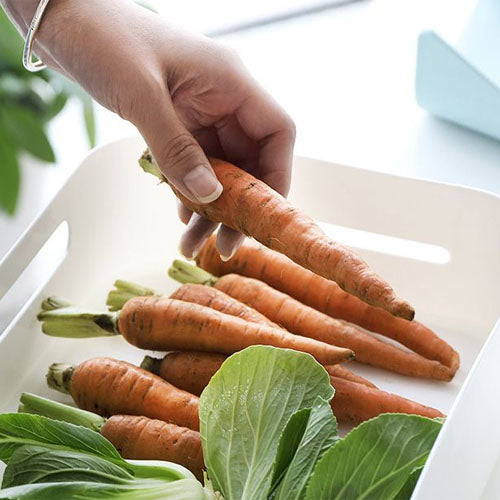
37, 464
19, 429
244, 410
184, 489
406, 491
318, 436
375, 459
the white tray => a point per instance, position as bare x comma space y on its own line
122, 226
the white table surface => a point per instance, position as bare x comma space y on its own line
346, 75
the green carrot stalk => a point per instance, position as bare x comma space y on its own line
124, 291
60, 319
59, 377
183, 272
151, 364
31, 403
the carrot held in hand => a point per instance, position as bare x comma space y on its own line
165, 324
308, 322
255, 261
135, 437
250, 206
192, 371
109, 387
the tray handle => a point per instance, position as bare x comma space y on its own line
27, 247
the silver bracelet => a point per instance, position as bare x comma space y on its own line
28, 63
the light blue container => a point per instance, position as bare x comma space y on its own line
462, 84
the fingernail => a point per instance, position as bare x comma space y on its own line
225, 258
193, 255
203, 184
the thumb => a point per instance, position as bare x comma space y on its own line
182, 161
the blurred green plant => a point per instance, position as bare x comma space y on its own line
28, 101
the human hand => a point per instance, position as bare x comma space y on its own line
189, 96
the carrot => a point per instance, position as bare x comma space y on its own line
169, 324
255, 261
342, 372
142, 438
165, 324
250, 206
192, 371
306, 321
189, 292
108, 387
135, 437
220, 301
355, 403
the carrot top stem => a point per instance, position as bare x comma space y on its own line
59, 377
31, 403
59, 319
151, 364
149, 166
184, 272
53, 303
124, 291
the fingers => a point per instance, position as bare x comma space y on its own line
227, 242
262, 119
180, 156
183, 212
237, 146
196, 233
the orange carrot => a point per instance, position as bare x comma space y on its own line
220, 301
192, 371
250, 206
165, 324
107, 387
342, 372
169, 324
355, 403
142, 438
255, 261
189, 292
308, 322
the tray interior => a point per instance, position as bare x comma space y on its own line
121, 225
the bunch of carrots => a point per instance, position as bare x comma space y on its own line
296, 289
